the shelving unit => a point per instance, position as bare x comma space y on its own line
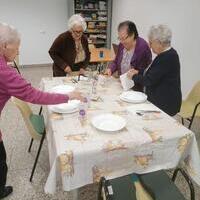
97, 14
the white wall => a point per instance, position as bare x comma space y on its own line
183, 18
39, 22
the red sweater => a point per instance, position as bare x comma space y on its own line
12, 84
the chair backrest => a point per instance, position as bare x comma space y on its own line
26, 112
115, 48
17, 60
16, 64
194, 95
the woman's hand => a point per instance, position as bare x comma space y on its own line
131, 73
68, 70
108, 72
76, 95
82, 71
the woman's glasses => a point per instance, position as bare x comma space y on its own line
121, 39
77, 32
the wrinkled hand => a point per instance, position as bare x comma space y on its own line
76, 95
108, 72
82, 71
131, 73
68, 70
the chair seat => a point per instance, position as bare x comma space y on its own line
38, 123
160, 186
123, 188
187, 109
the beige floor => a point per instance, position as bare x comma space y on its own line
20, 161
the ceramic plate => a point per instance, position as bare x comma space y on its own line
108, 122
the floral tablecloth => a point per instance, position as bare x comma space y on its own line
80, 154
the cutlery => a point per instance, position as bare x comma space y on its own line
148, 111
74, 81
142, 112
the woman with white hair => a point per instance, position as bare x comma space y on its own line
12, 84
70, 50
162, 79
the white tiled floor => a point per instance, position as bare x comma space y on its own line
20, 162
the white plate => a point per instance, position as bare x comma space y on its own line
70, 107
133, 97
62, 89
108, 122
82, 78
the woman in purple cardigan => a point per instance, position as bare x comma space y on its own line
12, 84
133, 52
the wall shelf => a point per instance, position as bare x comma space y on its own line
97, 14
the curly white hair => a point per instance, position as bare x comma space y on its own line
8, 34
77, 19
161, 33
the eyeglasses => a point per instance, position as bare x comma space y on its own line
123, 39
77, 32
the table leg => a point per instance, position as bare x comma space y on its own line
74, 194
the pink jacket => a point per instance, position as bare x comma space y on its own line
12, 84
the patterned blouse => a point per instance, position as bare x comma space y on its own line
126, 60
80, 53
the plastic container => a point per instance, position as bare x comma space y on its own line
101, 54
82, 112
94, 86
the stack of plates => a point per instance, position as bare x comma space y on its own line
62, 89
82, 78
133, 97
108, 122
71, 106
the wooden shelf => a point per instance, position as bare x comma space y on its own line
88, 9
96, 32
97, 20
97, 42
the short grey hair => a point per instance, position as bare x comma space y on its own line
161, 33
77, 19
8, 34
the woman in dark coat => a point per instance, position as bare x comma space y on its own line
162, 79
70, 50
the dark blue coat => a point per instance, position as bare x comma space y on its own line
162, 82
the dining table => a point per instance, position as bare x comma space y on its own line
80, 152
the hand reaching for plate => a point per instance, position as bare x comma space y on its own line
108, 72
76, 95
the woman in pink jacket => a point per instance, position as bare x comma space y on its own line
12, 84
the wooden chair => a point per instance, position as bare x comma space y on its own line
115, 48
190, 106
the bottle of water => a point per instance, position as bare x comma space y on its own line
82, 111
94, 86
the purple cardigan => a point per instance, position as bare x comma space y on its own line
12, 84
140, 60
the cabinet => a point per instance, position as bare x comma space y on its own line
97, 14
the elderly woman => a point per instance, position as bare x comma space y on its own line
162, 78
12, 84
133, 52
70, 50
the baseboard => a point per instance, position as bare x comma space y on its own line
38, 65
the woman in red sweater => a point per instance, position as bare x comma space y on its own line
12, 84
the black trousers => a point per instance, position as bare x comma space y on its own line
3, 166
